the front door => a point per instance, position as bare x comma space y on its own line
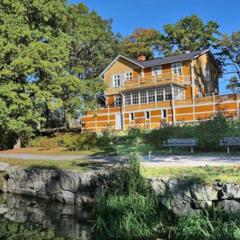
119, 122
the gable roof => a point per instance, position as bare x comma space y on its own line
160, 61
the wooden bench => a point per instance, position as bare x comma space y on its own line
230, 141
181, 142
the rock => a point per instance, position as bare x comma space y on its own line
4, 166
68, 197
230, 191
3, 210
230, 206
69, 181
203, 193
159, 187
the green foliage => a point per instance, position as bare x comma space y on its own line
195, 227
83, 141
107, 138
190, 34
209, 133
143, 41
229, 55
72, 142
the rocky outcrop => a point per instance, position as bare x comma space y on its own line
185, 197
59, 185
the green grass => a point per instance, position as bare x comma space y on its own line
207, 175
79, 165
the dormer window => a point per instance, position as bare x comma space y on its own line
156, 71
177, 68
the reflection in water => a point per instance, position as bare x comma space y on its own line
65, 221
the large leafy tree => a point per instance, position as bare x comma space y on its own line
144, 41
230, 57
93, 44
190, 34
33, 54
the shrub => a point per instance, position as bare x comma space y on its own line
83, 141
46, 142
106, 137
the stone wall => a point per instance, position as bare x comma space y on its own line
180, 196
59, 185
185, 197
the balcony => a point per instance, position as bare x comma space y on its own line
157, 80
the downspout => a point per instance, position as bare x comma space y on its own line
193, 92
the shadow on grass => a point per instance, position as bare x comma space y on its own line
42, 167
92, 165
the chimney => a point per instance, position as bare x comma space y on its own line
141, 57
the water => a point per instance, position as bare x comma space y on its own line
27, 218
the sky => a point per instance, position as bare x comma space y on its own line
127, 15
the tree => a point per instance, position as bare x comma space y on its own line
229, 56
143, 41
93, 44
190, 34
33, 53
234, 84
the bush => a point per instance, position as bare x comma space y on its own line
107, 137
72, 142
209, 133
83, 141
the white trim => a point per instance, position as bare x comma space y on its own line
119, 56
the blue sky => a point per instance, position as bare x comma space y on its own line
127, 15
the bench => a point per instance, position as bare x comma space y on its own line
230, 141
181, 142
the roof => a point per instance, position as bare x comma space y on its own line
160, 61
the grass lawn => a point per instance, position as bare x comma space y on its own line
207, 175
79, 165
55, 151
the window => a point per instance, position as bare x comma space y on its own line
177, 68
151, 96
160, 95
143, 97
116, 80
128, 76
135, 99
147, 115
118, 101
178, 93
128, 99
131, 116
207, 74
156, 71
164, 113
168, 94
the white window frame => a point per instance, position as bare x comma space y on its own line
177, 68
158, 94
207, 73
128, 76
131, 116
147, 115
152, 91
143, 97
117, 82
130, 98
157, 71
162, 113
135, 98
118, 101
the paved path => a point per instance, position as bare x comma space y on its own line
191, 160
156, 160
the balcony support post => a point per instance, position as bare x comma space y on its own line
193, 91
173, 105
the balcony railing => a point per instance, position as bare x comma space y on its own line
149, 80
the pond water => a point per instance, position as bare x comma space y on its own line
27, 218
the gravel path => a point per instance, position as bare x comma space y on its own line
154, 161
